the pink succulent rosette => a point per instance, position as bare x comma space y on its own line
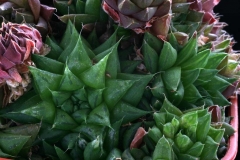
18, 41
141, 15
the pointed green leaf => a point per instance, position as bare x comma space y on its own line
158, 88
169, 107
69, 81
93, 150
95, 97
43, 111
59, 97
114, 154
63, 7
107, 44
222, 45
210, 149
196, 149
205, 76
163, 150
63, 121
12, 144
129, 66
61, 154
155, 134
171, 78
127, 112
191, 94
188, 51
167, 58
134, 94
91, 131
44, 81
150, 58
183, 142
78, 61
113, 65
43, 63
81, 115
217, 58
216, 134
95, 76
55, 49
115, 90
153, 42
175, 97
113, 135
78, 19
93, 7
197, 61
203, 127
99, 116
71, 46
189, 76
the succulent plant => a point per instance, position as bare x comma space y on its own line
18, 42
177, 135
152, 16
80, 12
31, 12
81, 101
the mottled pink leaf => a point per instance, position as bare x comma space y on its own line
35, 8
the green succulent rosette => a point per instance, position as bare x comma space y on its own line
80, 97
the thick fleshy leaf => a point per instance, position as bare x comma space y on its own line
210, 149
43, 63
80, 7
150, 58
111, 41
55, 49
192, 94
69, 81
175, 97
158, 88
95, 97
169, 107
134, 94
155, 134
129, 66
44, 81
205, 76
92, 7
59, 97
197, 61
12, 144
114, 154
127, 112
216, 83
115, 90
171, 78
81, 115
189, 76
183, 142
113, 136
63, 7
153, 42
68, 141
217, 58
216, 134
91, 131
188, 51
95, 76
26, 130
167, 58
203, 127
93, 150
99, 116
63, 121
163, 150
61, 154
189, 122
73, 45
196, 149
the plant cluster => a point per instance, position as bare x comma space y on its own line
115, 79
